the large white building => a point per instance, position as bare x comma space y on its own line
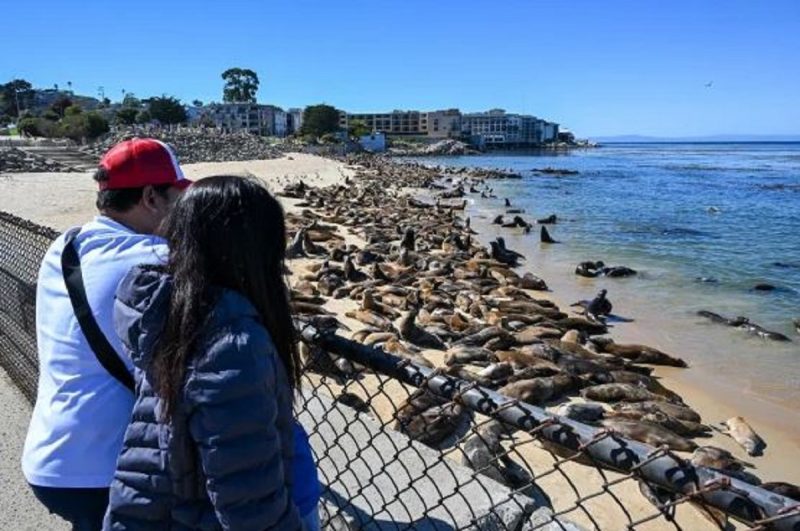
255, 118
499, 128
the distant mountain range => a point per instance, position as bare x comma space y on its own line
709, 138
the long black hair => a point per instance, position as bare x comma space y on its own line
224, 232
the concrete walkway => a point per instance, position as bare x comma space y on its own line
19, 509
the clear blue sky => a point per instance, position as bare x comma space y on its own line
597, 67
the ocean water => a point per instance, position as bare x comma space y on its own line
676, 213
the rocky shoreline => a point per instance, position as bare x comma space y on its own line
199, 145
15, 160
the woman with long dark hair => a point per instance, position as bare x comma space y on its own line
211, 443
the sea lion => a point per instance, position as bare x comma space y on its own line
465, 354
371, 318
483, 452
617, 392
673, 410
796, 323
482, 337
743, 323
503, 256
637, 353
536, 391
498, 220
310, 247
787, 490
582, 325
548, 220
416, 335
648, 433
582, 411
572, 336
741, 432
648, 382
531, 281
351, 273
545, 237
368, 302
718, 458
295, 249
429, 419
589, 268
618, 271
599, 307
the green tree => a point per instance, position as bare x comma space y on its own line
51, 115
130, 100
197, 103
72, 110
126, 115
143, 117
357, 128
29, 126
241, 85
319, 120
17, 96
167, 110
74, 126
96, 125
60, 105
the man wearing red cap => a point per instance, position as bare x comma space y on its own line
84, 397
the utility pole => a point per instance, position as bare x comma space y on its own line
101, 91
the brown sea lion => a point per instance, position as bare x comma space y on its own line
535, 334
637, 353
368, 302
416, 335
531, 281
582, 411
673, 410
429, 421
742, 433
714, 457
371, 318
464, 354
616, 392
539, 390
648, 382
648, 433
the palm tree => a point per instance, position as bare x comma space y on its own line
69, 86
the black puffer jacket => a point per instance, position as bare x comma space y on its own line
224, 462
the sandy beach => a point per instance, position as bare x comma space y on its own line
66, 199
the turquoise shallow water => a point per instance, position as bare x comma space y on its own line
675, 212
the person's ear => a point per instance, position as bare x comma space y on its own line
150, 198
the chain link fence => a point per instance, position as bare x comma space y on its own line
400, 445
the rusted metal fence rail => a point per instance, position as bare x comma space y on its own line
402, 446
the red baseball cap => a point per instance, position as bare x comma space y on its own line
141, 162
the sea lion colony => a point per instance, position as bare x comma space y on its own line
426, 290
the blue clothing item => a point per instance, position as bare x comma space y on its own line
306, 488
81, 411
83, 508
224, 460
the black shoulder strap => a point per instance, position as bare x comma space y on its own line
73, 278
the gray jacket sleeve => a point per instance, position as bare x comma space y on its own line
231, 395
